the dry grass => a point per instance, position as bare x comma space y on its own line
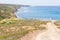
57, 23
12, 29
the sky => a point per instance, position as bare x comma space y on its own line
32, 2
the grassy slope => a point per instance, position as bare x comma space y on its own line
14, 28
57, 23
6, 12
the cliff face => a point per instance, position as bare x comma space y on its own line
8, 10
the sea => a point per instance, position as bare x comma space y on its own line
39, 12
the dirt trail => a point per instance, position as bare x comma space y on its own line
50, 34
31, 35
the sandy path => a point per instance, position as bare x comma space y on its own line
31, 35
50, 34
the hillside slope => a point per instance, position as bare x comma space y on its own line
7, 11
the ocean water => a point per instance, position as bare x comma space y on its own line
39, 12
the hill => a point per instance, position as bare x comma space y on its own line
8, 10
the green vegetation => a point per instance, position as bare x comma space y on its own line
6, 12
14, 28
57, 23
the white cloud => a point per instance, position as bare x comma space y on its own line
32, 2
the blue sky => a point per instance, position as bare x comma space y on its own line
32, 2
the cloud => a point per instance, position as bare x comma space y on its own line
32, 2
